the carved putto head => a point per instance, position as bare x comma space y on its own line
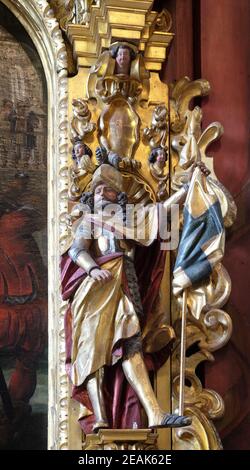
158, 156
119, 71
123, 53
80, 149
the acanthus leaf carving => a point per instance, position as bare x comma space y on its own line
209, 327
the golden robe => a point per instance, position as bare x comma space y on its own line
103, 315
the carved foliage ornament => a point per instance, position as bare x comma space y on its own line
208, 327
156, 136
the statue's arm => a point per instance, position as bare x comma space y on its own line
79, 253
180, 196
177, 198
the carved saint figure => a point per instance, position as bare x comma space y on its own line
106, 314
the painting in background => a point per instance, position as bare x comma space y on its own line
23, 240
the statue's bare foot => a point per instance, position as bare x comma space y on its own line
173, 421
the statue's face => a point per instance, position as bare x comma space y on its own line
123, 59
161, 157
105, 193
79, 150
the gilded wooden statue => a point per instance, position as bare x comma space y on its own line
105, 321
141, 263
103, 272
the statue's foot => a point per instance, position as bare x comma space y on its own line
173, 421
100, 425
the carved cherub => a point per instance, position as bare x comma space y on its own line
119, 71
82, 159
157, 163
82, 165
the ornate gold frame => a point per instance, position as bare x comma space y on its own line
39, 20
40, 23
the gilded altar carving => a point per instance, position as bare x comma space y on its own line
63, 10
80, 123
120, 83
130, 21
72, 11
118, 95
110, 78
156, 136
142, 94
208, 327
118, 129
155, 148
157, 133
141, 439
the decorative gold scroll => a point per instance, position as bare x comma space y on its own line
208, 328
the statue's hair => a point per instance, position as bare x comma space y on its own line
88, 199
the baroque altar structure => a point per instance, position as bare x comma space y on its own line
107, 106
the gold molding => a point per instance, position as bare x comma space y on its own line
63, 11
111, 21
121, 439
201, 435
134, 21
38, 19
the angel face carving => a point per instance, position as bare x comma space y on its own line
119, 72
157, 160
123, 60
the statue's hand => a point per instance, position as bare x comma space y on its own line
101, 275
203, 168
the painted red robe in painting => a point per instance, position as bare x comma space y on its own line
23, 305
